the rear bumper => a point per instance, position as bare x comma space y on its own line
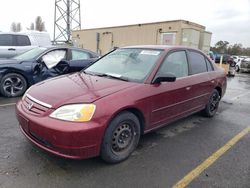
64, 139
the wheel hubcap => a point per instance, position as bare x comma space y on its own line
214, 102
12, 85
122, 137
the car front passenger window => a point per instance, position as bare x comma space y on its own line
52, 58
175, 63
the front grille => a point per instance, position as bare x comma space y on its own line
34, 107
41, 140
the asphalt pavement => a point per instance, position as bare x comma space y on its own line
163, 157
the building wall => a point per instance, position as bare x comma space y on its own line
205, 41
140, 34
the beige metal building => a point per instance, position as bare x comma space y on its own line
176, 32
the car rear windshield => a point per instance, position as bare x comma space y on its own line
130, 64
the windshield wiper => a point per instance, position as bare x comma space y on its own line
113, 76
90, 73
118, 77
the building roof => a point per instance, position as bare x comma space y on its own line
141, 24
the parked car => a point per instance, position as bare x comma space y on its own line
232, 67
243, 65
38, 64
105, 109
12, 44
228, 63
225, 59
211, 55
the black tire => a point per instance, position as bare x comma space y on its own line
121, 138
212, 105
13, 85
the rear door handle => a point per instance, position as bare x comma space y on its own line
11, 49
188, 88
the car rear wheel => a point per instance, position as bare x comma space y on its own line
121, 138
13, 85
212, 105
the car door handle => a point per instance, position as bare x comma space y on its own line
188, 88
212, 81
11, 49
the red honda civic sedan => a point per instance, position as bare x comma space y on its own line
104, 109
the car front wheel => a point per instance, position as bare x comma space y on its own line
13, 85
121, 138
212, 105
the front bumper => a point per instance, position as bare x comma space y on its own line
65, 139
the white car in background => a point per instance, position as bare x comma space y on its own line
243, 65
12, 44
236, 58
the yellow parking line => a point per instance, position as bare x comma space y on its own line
210, 160
9, 104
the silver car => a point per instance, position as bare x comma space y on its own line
12, 44
244, 65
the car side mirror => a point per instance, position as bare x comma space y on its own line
168, 77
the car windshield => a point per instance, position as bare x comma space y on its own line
126, 64
31, 54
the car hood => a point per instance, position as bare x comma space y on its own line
76, 88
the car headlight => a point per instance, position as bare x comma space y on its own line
74, 112
24, 95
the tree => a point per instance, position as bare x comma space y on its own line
16, 27
32, 26
226, 48
222, 46
235, 49
13, 27
39, 24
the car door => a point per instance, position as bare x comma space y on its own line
80, 59
51, 64
7, 50
22, 44
202, 82
170, 100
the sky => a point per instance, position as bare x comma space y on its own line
228, 20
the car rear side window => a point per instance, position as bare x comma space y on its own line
175, 63
197, 63
209, 66
76, 55
6, 40
22, 40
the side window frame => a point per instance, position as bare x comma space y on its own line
71, 54
24, 36
166, 56
209, 62
189, 62
40, 58
12, 40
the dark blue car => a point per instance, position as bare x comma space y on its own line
38, 64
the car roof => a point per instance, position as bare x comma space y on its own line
161, 47
68, 47
12, 33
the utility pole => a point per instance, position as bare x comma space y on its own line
67, 18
